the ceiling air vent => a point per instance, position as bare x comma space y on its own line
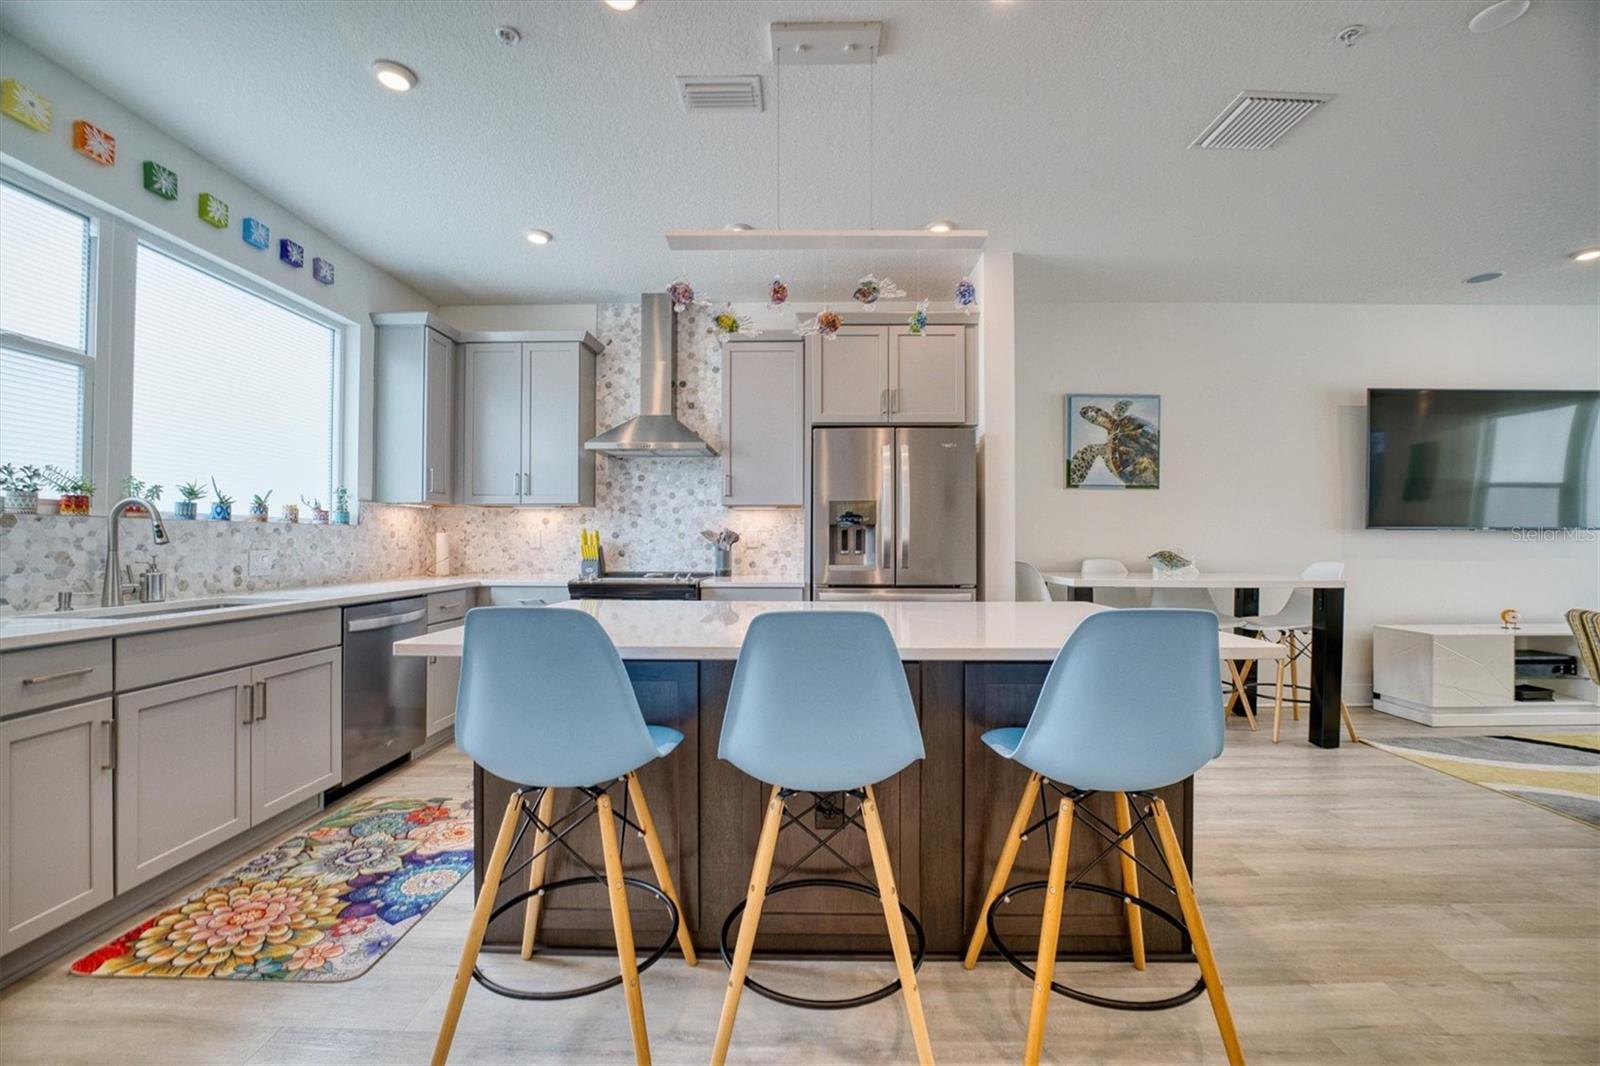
1258, 120
733, 92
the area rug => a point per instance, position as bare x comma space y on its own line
1560, 772
323, 905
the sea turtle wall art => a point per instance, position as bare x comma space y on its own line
1113, 442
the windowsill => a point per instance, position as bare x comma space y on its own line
168, 518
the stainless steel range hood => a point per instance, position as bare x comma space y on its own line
655, 433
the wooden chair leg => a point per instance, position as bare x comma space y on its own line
1130, 880
1277, 703
1244, 697
1002, 869
1349, 723
883, 873
745, 945
658, 862
536, 872
1197, 933
622, 926
480, 921
1049, 935
1294, 672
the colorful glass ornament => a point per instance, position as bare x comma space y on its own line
870, 289
213, 211
966, 295
777, 293
918, 322
322, 270
291, 253
160, 180
826, 324
682, 294
94, 142
27, 106
728, 323
256, 234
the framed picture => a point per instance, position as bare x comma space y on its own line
1113, 441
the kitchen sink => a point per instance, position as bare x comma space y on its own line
139, 610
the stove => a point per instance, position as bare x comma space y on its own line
639, 585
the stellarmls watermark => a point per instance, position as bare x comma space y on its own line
1552, 535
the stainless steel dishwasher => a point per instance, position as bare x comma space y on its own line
385, 695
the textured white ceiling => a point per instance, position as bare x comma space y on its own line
1061, 127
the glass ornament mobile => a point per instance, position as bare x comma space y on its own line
871, 289
966, 295
683, 295
777, 293
826, 324
728, 323
917, 324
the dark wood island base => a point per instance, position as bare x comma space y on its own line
944, 817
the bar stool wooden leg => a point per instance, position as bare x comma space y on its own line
480, 921
745, 945
622, 925
1239, 691
536, 872
1002, 869
1049, 935
1197, 933
658, 861
1349, 723
883, 873
1130, 880
1277, 703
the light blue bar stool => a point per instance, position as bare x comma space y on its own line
819, 704
1104, 728
546, 703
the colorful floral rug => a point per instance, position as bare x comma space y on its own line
323, 905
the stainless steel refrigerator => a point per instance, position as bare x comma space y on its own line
894, 513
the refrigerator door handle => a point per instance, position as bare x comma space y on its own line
902, 520
885, 508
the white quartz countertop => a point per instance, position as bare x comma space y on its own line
18, 631
1218, 580
664, 629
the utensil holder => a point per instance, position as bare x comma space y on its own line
723, 563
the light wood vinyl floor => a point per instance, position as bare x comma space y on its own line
1364, 910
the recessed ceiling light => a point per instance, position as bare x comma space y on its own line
941, 225
622, 5
1586, 255
1497, 16
393, 76
539, 236
507, 35
1479, 279
739, 226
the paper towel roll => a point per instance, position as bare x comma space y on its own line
441, 554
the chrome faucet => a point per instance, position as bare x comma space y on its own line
111, 591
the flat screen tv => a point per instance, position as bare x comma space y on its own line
1483, 459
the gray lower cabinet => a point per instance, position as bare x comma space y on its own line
444, 677
55, 822
412, 414
523, 595
294, 731
763, 423
528, 407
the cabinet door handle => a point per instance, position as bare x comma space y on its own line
527, 484
110, 761
883, 401
261, 704
516, 483
894, 401
45, 679
727, 484
430, 480
250, 705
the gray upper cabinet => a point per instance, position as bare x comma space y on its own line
528, 408
928, 375
412, 411
877, 375
763, 432
55, 822
294, 731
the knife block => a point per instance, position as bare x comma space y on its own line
595, 567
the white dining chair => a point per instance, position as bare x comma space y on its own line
1030, 584
1289, 623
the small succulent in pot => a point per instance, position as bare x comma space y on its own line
21, 487
319, 513
188, 507
258, 507
76, 490
291, 513
132, 486
341, 506
222, 505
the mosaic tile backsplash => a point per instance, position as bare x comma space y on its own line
649, 513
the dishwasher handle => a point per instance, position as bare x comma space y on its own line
388, 621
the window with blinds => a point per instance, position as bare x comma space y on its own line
46, 254
231, 385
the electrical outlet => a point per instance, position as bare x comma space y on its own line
751, 539
261, 563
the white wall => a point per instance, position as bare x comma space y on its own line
358, 290
1263, 447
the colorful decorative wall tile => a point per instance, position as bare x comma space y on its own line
322, 270
256, 234
94, 142
27, 106
213, 212
291, 253
160, 180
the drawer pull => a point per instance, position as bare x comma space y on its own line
111, 744
261, 705
44, 679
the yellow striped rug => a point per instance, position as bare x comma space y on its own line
1557, 771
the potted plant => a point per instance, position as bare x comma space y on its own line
319, 513
132, 486
222, 505
192, 492
258, 507
291, 513
21, 487
341, 506
76, 490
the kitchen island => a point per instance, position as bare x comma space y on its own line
971, 667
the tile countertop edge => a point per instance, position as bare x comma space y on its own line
21, 631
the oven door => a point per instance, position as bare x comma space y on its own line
633, 590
